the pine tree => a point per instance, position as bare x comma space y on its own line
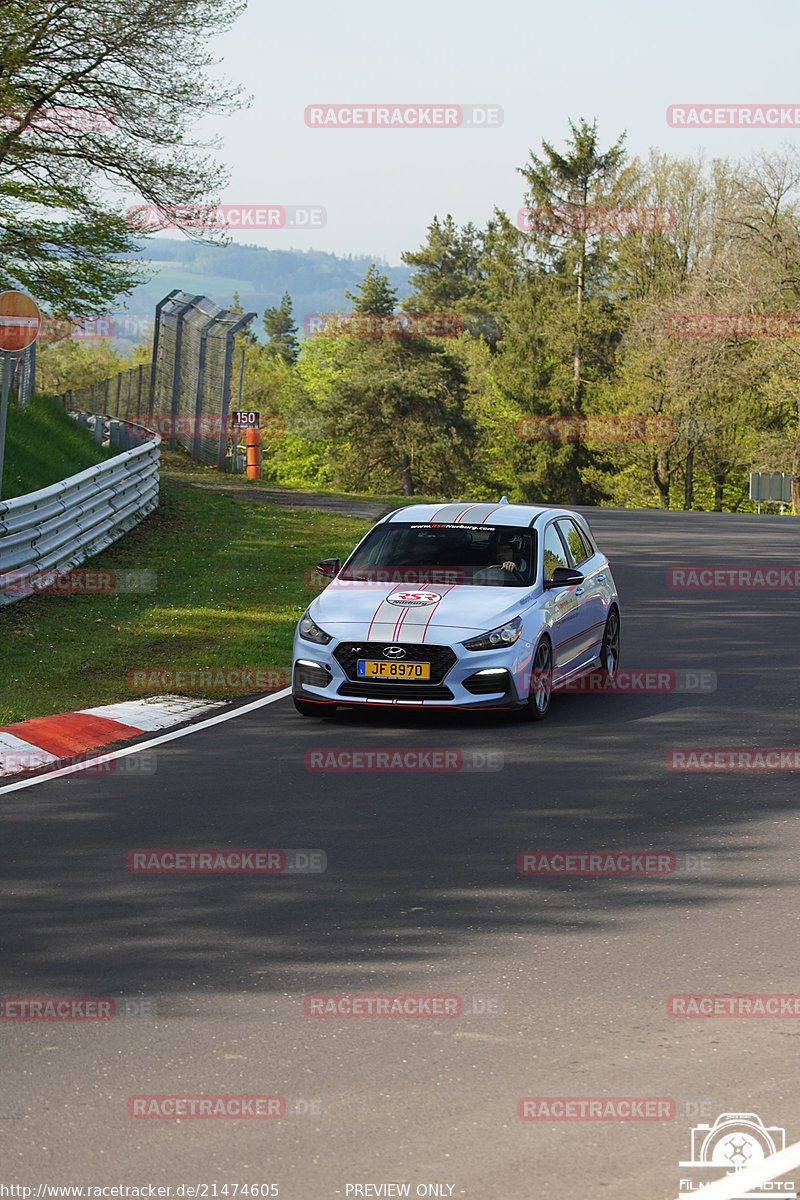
566, 193
375, 294
281, 331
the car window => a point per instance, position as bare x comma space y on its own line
553, 549
471, 555
576, 543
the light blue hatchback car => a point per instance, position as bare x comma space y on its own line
459, 605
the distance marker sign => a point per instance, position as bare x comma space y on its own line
20, 321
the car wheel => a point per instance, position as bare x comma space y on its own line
541, 688
609, 651
308, 708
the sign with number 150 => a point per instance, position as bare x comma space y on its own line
245, 418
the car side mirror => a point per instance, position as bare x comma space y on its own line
564, 577
329, 567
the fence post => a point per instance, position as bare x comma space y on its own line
24, 375
156, 333
119, 391
176, 372
21, 372
33, 371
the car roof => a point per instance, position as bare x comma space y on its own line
469, 512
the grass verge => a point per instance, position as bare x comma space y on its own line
230, 584
43, 445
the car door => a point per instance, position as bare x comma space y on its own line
591, 593
564, 604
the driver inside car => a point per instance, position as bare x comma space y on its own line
506, 558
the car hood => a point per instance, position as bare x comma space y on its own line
420, 613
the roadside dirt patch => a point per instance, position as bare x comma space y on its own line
285, 497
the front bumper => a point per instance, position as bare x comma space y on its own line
459, 678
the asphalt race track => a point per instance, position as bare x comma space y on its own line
563, 980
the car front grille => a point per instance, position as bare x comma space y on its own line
441, 659
395, 690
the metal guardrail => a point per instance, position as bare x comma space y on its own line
59, 527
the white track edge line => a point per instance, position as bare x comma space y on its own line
124, 751
741, 1182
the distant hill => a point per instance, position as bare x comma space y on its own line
316, 281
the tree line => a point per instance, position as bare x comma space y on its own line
628, 337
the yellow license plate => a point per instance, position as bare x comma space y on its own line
370, 668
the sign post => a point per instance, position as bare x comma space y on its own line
246, 419
20, 322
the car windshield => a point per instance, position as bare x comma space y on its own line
477, 555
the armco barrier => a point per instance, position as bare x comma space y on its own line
60, 526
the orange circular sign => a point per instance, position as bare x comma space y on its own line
20, 321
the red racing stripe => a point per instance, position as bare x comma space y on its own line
403, 614
436, 605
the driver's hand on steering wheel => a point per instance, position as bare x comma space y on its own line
509, 566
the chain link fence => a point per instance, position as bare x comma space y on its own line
125, 395
184, 393
191, 379
23, 372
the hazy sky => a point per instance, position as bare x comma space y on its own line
621, 63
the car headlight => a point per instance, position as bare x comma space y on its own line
504, 635
311, 632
